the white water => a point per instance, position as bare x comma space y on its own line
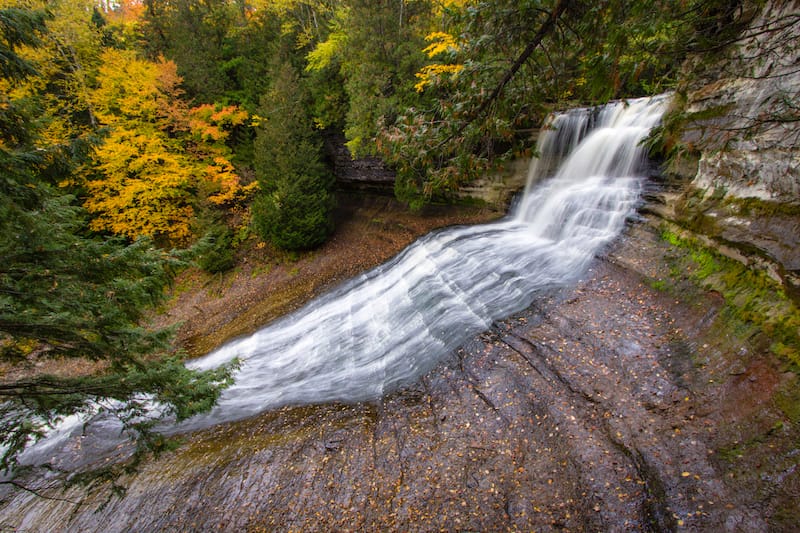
392, 324
387, 327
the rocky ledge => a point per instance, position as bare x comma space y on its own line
615, 405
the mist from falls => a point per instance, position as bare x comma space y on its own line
389, 326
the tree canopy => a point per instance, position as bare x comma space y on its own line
69, 295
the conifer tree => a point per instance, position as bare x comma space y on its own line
294, 207
380, 55
66, 295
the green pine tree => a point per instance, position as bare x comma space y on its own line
69, 296
294, 207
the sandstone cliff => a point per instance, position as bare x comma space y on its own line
733, 135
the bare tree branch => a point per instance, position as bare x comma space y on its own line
36, 493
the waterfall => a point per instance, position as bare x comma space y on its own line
390, 325
387, 327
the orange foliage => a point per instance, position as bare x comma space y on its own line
159, 153
211, 125
226, 188
123, 11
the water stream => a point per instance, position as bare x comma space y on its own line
388, 326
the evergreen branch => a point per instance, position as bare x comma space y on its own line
544, 30
788, 21
27, 389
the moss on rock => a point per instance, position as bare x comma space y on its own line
756, 305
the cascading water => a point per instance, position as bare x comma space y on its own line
392, 324
389, 326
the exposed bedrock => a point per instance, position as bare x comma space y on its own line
602, 408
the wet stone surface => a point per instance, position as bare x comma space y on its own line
582, 413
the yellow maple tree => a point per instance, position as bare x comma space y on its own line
144, 188
441, 43
160, 160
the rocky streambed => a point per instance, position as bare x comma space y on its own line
619, 404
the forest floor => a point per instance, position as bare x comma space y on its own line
622, 403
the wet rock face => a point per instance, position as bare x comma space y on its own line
365, 174
741, 129
587, 412
497, 188
744, 113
